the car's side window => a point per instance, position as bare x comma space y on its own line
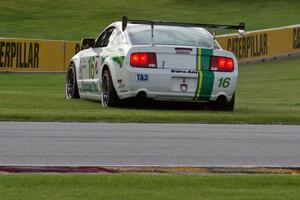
103, 39
99, 39
116, 40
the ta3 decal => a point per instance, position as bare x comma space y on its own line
142, 77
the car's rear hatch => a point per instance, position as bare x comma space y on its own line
179, 58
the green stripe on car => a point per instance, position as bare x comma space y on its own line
206, 77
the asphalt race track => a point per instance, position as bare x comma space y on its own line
148, 144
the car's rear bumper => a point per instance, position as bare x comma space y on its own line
180, 85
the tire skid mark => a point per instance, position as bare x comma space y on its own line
54, 169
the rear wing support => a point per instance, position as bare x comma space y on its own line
125, 21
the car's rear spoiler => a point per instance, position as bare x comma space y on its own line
125, 21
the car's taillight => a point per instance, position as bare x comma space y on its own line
144, 59
223, 64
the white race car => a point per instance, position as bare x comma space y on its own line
157, 60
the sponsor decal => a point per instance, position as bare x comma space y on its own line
183, 50
182, 71
90, 87
249, 46
119, 60
19, 54
296, 38
183, 86
142, 77
92, 70
205, 81
121, 84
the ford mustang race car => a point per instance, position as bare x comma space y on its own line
157, 60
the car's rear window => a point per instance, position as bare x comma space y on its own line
170, 35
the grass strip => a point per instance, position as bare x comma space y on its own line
267, 93
39, 19
133, 186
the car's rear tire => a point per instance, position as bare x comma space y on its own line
71, 88
109, 94
222, 105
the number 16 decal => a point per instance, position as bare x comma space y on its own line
224, 82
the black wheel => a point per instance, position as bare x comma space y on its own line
71, 83
222, 105
229, 106
109, 94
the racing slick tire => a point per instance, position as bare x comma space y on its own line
109, 94
222, 105
71, 89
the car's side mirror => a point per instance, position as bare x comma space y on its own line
87, 43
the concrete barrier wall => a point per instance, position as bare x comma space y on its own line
30, 55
